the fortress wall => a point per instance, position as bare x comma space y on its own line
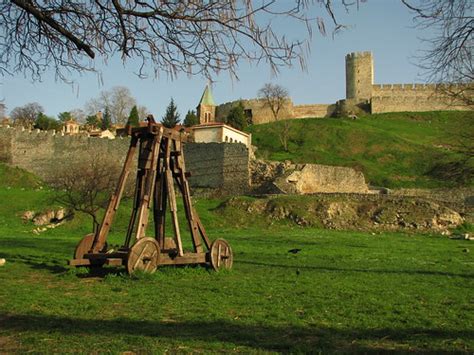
220, 166
411, 97
423, 90
260, 113
315, 110
381, 104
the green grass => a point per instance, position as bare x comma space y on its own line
345, 291
393, 149
16, 177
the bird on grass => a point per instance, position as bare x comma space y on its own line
294, 251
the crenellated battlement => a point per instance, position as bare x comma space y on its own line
417, 87
363, 54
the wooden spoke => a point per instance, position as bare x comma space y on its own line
143, 255
221, 255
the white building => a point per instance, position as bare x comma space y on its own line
220, 133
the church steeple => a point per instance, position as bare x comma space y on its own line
206, 110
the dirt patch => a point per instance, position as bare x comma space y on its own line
352, 212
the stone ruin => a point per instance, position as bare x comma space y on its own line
288, 178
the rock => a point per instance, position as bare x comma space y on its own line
60, 214
316, 178
2, 262
44, 218
28, 215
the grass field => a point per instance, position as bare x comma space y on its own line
393, 149
344, 291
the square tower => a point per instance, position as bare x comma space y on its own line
359, 75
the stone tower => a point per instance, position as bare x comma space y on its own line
359, 75
206, 110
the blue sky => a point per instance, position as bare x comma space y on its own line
384, 27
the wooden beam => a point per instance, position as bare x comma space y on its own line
101, 236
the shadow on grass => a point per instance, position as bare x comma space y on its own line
40, 262
270, 338
375, 271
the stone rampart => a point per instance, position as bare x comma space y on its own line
402, 103
260, 113
314, 110
413, 97
222, 167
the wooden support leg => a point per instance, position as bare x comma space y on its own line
186, 194
149, 184
101, 236
172, 198
160, 204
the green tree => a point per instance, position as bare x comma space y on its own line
133, 119
191, 119
92, 121
64, 116
171, 117
106, 119
46, 123
236, 117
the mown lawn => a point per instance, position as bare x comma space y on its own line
344, 291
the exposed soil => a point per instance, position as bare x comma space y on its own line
352, 211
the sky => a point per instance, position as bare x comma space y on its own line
384, 27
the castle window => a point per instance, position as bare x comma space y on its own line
226, 138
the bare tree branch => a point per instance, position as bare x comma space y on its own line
448, 57
165, 36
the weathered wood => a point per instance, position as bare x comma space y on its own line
221, 255
143, 256
186, 194
202, 230
79, 262
172, 198
150, 176
114, 261
101, 236
187, 258
161, 167
84, 246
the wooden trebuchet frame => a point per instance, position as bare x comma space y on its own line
160, 172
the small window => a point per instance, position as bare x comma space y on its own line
226, 138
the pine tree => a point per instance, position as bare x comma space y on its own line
106, 121
171, 117
133, 119
236, 117
191, 119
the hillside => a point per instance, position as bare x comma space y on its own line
16, 177
423, 149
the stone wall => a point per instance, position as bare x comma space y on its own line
218, 166
411, 97
314, 110
222, 167
259, 113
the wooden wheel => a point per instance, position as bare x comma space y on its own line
221, 254
83, 247
143, 255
